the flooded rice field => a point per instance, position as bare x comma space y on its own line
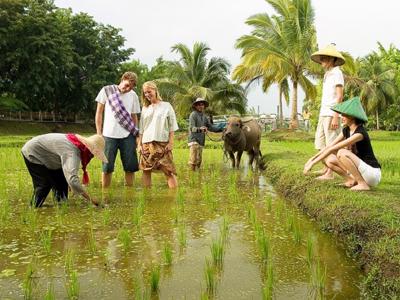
223, 234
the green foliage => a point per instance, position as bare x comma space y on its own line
195, 76
269, 54
59, 60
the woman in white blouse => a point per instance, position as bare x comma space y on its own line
156, 136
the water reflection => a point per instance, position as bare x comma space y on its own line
195, 211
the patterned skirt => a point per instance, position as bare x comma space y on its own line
155, 158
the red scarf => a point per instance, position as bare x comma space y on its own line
86, 155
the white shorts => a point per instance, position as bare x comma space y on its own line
372, 176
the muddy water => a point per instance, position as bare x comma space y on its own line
187, 220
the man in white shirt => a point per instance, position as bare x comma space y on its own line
328, 127
111, 100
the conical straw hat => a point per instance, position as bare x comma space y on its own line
329, 50
95, 144
352, 108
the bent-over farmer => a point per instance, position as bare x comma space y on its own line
53, 161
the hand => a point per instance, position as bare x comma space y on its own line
335, 123
203, 129
307, 167
169, 147
94, 202
140, 148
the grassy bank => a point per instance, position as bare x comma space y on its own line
368, 222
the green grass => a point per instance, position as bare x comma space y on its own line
369, 222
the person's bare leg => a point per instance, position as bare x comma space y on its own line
146, 179
328, 175
336, 166
350, 161
106, 179
172, 181
129, 178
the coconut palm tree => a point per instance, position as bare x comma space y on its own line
380, 87
267, 73
287, 40
194, 76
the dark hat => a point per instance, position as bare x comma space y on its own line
352, 108
200, 100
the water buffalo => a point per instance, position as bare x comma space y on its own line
242, 135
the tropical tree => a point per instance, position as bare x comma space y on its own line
193, 75
266, 72
287, 40
380, 89
144, 73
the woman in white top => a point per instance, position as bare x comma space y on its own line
156, 136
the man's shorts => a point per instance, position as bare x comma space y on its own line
371, 175
127, 152
196, 153
324, 134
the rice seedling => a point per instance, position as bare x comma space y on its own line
268, 287
268, 202
233, 194
264, 245
296, 234
27, 284
208, 198
204, 296
69, 260
217, 252
206, 193
318, 280
137, 216
280, 208
289, 221
137, 287
45, 240
310, 251
50, 293
180, 199
232, 179
106, 216
30, 218
167, 254
251, 213
5, 210
124, 237
91, 241
210, 276
224, 229
155, 279
72, 285
182, 235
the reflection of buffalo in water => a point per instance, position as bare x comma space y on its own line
242, 135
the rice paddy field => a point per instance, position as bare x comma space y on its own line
223, 234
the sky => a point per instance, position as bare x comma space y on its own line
152, 27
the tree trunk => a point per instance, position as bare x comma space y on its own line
280, 107
377, 119
294, 122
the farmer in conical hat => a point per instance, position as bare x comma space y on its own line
358, 166
328, 127
53, 161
